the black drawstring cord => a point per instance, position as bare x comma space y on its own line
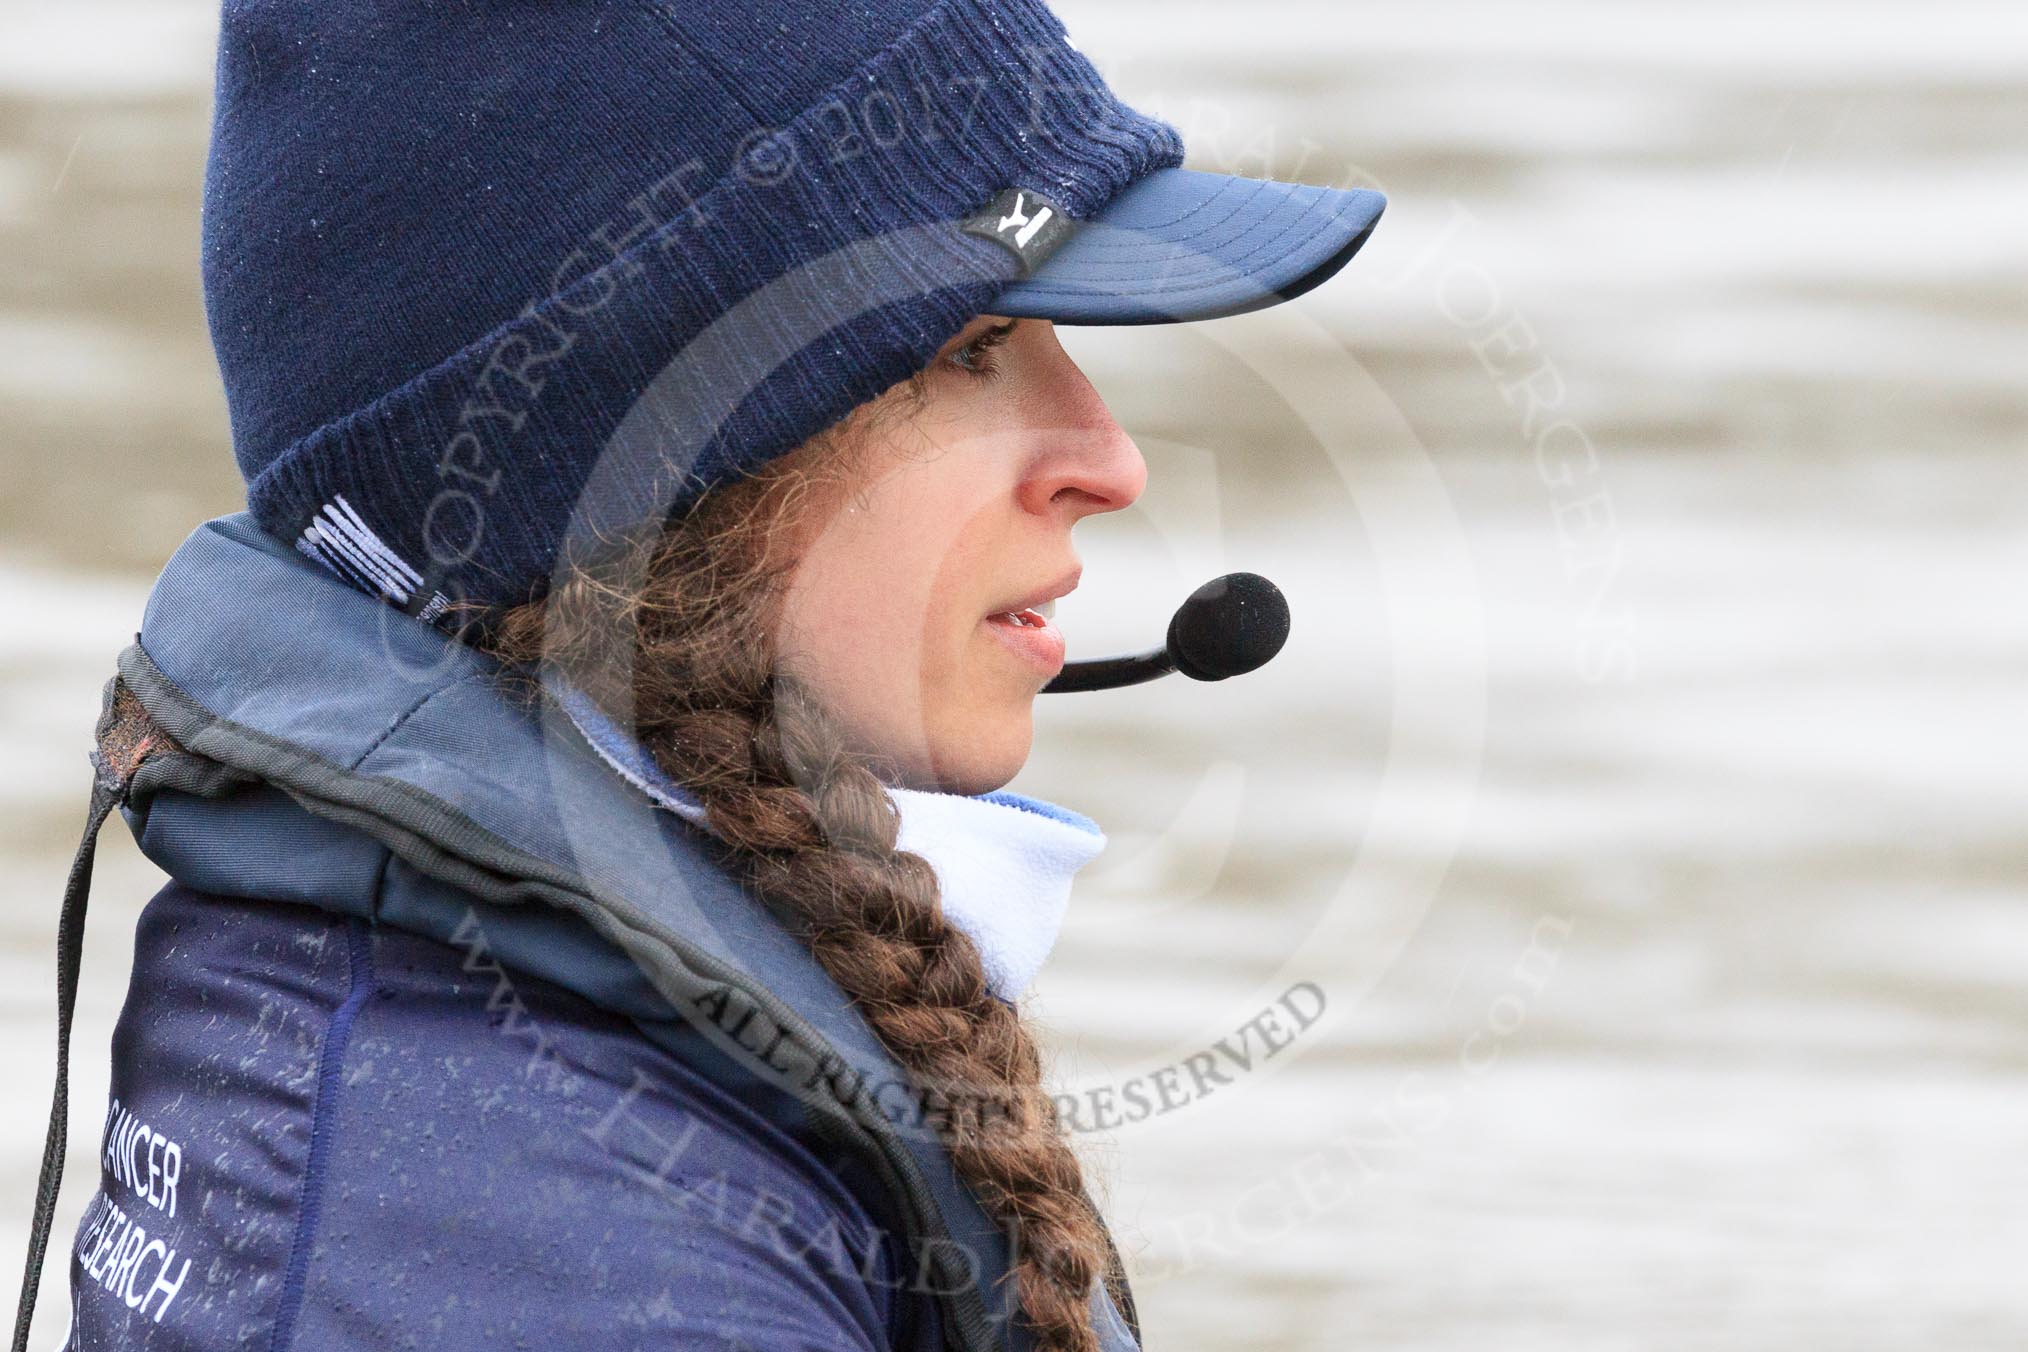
106, 795
126, 738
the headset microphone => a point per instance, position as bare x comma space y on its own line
1228, 627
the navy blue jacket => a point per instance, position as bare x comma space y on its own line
443, 1037
346, 1135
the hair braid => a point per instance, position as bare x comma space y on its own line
687, 645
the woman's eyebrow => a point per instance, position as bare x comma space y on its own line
967, 336
995, 331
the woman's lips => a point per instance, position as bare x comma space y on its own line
1032, 636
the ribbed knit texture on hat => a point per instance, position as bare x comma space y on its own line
485, 278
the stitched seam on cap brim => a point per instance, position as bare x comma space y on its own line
1229, 266
1229, 270
1127, 247
1135, 261
1126, 239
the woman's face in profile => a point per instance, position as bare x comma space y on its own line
913, 609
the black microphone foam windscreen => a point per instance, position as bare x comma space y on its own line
1228, 627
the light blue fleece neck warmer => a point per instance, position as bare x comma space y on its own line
1004, 862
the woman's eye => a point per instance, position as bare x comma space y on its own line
976, 357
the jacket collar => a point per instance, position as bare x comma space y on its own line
1004, 862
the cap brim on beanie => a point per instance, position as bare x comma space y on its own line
1181, 244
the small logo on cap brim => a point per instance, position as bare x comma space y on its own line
1027, 224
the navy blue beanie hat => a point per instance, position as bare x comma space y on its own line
489, 278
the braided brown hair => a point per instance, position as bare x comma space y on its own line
676, 635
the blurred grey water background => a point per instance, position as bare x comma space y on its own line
1644, 801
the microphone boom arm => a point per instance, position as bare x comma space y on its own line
1109, 673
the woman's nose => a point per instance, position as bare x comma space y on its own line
1087, 471
1089, 464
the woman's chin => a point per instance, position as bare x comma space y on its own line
986, 753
